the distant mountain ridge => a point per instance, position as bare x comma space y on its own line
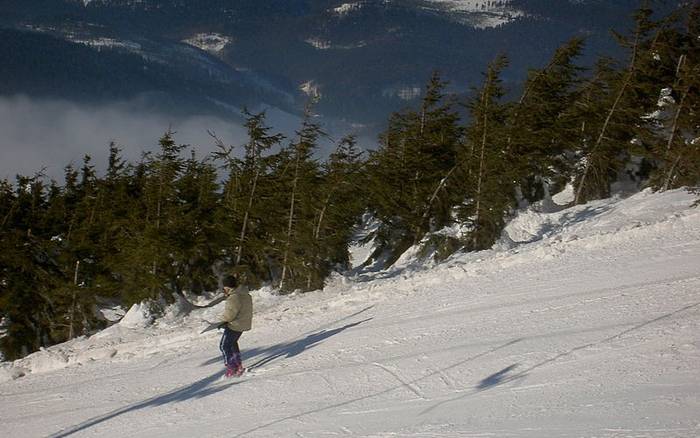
359, 59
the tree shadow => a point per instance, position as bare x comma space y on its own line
402, 384
496, 378
503, 377
195, 390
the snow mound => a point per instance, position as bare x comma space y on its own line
138, 316
597, 218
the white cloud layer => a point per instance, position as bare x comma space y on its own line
52, 133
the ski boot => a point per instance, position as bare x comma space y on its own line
230, 371
235, 368
238, 366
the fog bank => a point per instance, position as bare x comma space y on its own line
50, 134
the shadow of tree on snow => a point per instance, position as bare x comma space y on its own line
502, 377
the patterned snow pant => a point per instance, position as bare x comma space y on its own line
229, 347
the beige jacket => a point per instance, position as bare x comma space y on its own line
238, 312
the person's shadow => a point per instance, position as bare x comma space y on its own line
203, 387
295, 348
195, 390
292, 348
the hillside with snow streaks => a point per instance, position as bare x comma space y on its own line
581, 322
480, 14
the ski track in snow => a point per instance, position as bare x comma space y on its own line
592, 329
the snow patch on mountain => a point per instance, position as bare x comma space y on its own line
480, 14
325, 44
407, 93
473, 5
318, 43
311, 89
106, 43
213, 43
83, 34
346, 8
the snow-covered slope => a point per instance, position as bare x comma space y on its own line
480, 14
582, 322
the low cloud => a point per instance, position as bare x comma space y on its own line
50, 134
38, 134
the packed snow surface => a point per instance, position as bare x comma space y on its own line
581, 322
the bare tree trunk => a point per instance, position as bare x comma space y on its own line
480, 176
9, 214
439, 187
295, 182
317, 231
674, 128
92, 214
71, 316
417, 225
246, 215
611, 112
669, 176
158, 209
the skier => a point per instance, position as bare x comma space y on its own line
237, 318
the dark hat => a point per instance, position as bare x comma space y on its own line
229, 281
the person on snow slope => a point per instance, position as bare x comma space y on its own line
236, 319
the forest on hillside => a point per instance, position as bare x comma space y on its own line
171, 223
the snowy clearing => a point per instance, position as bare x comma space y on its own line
584, 323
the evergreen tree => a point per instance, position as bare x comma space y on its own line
487, 175
617, 109
407, 175
144, 264
255, 167
541, 126
193, 232
675, 132
28, 272
299, 270
341, 207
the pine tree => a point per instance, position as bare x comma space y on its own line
28, 273
675, 134
607, 150
193, 233
299, 254
541, 126
341, 207
254, 168
144, 264
486, 174
407, 175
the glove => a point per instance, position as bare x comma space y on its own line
221, 325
